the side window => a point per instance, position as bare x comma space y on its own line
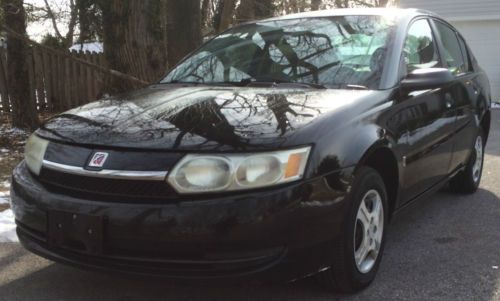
420, 48
465, 53
451, 49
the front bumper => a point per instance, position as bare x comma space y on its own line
282, 233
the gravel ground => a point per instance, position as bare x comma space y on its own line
444, 248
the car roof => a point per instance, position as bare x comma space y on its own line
401, 13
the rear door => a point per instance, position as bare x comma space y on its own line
463, 93
428, 117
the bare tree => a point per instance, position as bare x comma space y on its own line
205, 12
57, 12
24, 114
184, 29
135, 40
227, 9
315, 4
249, 10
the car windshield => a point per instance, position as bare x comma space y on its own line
337, 52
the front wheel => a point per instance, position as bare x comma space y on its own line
359, 249
468, 180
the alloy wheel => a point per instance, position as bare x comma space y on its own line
368, 231
478, 163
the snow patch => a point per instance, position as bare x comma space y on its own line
4, 192
7, 227
96, 47
495, 105
17, 135
4, 197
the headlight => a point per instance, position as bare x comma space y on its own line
199, 173
34, 153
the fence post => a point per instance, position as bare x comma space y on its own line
47, 77
4, 93
39, 82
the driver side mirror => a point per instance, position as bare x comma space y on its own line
426, 79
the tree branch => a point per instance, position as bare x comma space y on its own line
72, 23
52, 17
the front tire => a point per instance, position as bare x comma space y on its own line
359, 249
468, 180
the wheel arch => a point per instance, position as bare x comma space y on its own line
485, 124
381, 157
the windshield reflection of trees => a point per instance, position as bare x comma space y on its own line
295, 50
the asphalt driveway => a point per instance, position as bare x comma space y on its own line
445, 248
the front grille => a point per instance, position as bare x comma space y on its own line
107, 190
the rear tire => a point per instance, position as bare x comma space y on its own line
363, 236
468, 180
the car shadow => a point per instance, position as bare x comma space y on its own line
445, 247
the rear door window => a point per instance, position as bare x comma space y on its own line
465, 53
451, 51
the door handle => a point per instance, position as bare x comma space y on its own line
449, 102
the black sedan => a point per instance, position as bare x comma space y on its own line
279, 149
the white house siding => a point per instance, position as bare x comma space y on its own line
484, 39
479, 23
458, 9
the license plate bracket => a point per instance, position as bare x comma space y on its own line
77, 232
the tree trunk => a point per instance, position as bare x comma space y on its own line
315, 4
24, 113
246, 11
264, 9
341, 3
135, 40
205, 9
227, 14
184, 29
249, 10
382, 3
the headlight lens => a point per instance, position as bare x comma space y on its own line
34, 153
204, 173
258, 170
198, 173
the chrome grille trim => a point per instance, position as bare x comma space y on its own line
107, 173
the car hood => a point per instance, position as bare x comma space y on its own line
199, 118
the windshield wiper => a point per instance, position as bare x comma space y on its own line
180, 82
272, 81
249, 81
357, 87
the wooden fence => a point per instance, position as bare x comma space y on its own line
56, 82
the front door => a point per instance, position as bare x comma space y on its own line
428, 117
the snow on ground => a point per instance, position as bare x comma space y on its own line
496, 105
7, 130
7, 224
7, 227
4, 192
96, 47
4, 197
